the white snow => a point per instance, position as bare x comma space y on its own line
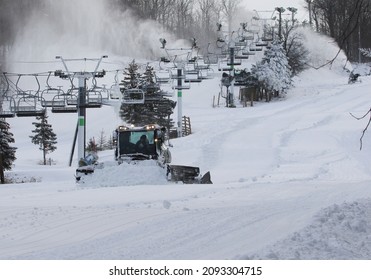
289, 183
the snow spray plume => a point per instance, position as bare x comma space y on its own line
84, 28
322, 50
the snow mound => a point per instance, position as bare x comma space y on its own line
146, 172
337, 232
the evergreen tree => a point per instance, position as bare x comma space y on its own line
273, 72
7, 153
132, 76
91, 146
44, 136
156, 107
149, 75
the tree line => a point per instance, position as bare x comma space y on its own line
347, 21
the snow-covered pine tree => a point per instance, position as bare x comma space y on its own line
273, 72
7, 153
44, 136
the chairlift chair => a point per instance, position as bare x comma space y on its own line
47, 96
93, 99
163, 77
211, 59
71, 99
7, 107
223, 66
242, 56
105, 93
241, 43
114, 91
60, 104
193, 77
133, 96
29, 106
185, 85
261, 44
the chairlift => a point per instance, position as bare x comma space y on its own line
241, 43
19, 91
211, 59
242, 56
102, 90
261, 44
248, 37
114, 91
193, 77
235, 63
223, 66
163, 76
48, 95
254, 48
201, 67
7, 107
205, 74
61, 104
105, 93
93, 99
133, 96
185, 85
188, 71
71, 99
29, 106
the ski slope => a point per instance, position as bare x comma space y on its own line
289, 183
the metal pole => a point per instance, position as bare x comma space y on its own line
74, 144
280, 10
81, 116
180, 113
231, 74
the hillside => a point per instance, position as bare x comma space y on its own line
289, 183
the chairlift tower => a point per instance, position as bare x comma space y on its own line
231, 67
230, 97
81, 101
179, 77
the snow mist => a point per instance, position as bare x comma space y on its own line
85, 28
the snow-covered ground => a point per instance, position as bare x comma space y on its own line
289, 183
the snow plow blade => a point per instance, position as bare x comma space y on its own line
84, 170
187, 174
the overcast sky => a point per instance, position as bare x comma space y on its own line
269, 5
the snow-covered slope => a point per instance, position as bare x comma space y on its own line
289, 182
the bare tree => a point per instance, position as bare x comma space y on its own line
343, 20
229, 8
